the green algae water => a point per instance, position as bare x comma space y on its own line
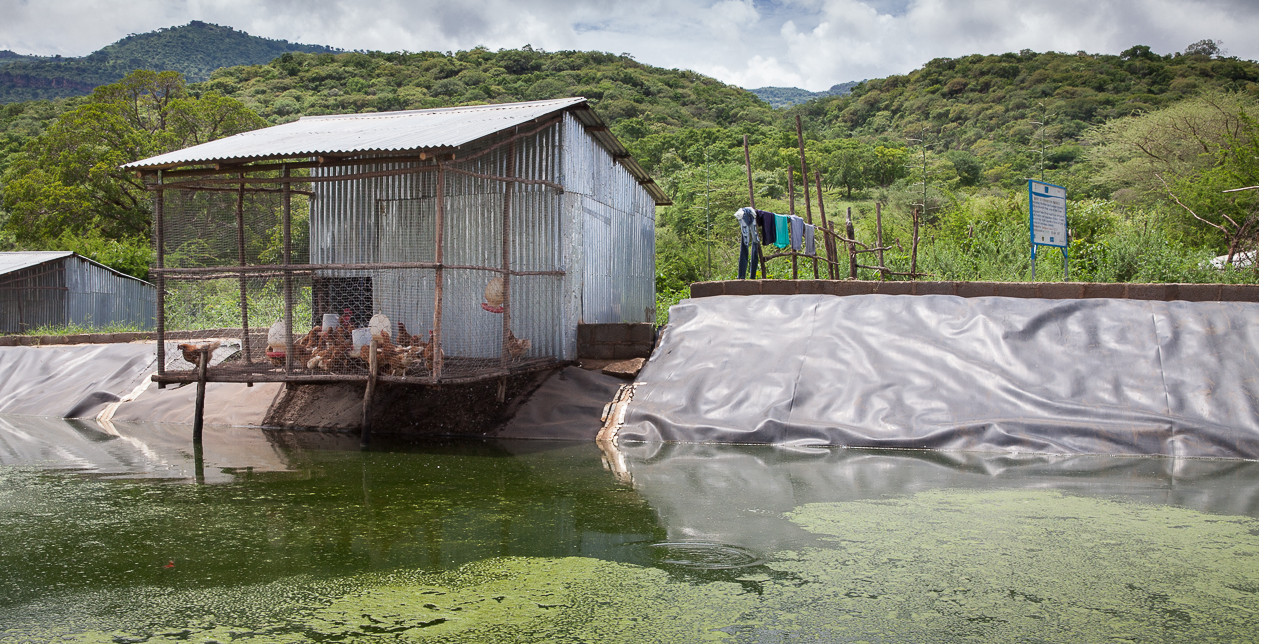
268, 537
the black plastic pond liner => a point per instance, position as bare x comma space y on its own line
1095, 376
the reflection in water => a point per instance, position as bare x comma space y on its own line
302, 537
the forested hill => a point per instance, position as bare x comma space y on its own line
981, 102
619, 88
195, 50
778, 97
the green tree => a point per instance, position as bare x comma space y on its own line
68, 179
1184, 157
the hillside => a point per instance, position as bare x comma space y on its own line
619, 88
780, 97
195, 50
994, 105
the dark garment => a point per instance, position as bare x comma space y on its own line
749, 238
742, 259
768, 229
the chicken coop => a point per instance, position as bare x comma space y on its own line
444, 245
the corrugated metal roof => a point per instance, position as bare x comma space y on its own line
17, 260
368, 132
413, 130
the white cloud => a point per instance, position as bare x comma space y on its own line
751, 43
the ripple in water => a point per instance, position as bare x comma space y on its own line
704, 555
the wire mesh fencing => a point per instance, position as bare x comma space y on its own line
345, 284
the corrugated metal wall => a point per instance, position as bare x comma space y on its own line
393, 219
76, 291
616, 218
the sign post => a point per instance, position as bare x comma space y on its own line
1047, 205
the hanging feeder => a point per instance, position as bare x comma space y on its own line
493, 299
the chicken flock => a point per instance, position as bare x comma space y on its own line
332, 349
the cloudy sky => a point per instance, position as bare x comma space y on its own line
802, 43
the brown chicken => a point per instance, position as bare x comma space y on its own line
516, 347
191, 352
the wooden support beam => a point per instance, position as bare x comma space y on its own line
366, 414
197, 428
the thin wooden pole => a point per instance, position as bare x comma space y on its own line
853, 251
804, 176
288, 276
197, 428
751, 196
915, 238
159, 226
245, 354
505, 359
791, 194
366, 414
879, 241
828, 244
437, 320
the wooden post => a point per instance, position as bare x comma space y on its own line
804, 176
245, 354
197, 428
879, 241
198, 456
508, 187
791, 194
437, 340
853, 251
366, 414
915, 238
828, 244
288, 275
751, 196
159, 226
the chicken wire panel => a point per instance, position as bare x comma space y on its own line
200, 228
211, 309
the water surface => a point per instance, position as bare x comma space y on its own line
127, 534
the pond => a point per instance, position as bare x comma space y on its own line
128, 534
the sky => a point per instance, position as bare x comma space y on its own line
812, 44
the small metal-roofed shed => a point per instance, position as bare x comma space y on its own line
476, 238
60, 288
